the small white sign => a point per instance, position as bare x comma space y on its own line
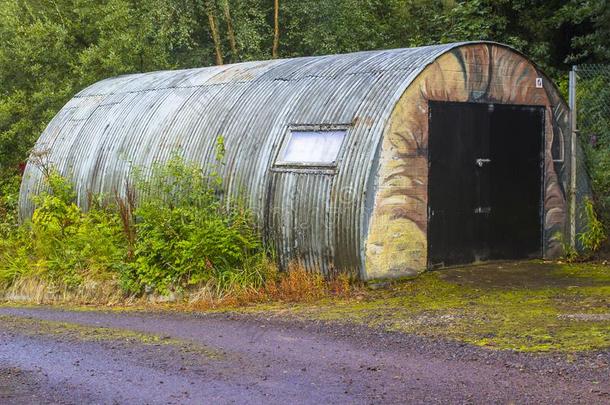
539, 82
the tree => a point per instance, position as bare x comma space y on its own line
276, 28
214, 31
230, 30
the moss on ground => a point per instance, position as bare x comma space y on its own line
67, 330
525, 306
532, 306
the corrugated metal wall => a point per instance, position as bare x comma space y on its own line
315, 218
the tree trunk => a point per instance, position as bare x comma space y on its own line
214, 31
276, 29
230, 30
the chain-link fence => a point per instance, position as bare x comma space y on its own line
590, 101
593, 104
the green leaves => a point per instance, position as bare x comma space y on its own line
181, 235
593, 237
185, 236
62, 246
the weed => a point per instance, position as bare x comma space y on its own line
593, 237
186, 236
298, 285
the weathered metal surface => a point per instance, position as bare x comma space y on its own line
317, 218
136, 120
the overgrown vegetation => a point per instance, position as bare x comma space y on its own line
186, 235
62, 248
172, 234
593, 107
595, 234
181, 236
591, 238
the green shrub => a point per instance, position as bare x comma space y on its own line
63, 246
186, 234
599, 169
181, 234
593, 237
12, 251
9, 197
593, 92
15, 256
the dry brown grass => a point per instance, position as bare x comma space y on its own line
296, 285
35, 291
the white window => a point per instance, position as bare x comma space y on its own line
312, 148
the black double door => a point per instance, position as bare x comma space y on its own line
485, 182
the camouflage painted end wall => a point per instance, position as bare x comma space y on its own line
483, 73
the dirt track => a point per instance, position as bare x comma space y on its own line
242, 359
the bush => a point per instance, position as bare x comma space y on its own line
9, 197
187, 236
593, 94
63, 246
599, 169
181, 234
594, 235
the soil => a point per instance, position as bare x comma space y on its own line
19, 387
230, 358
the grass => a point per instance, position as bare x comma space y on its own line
527, 306
532, 307
68, 330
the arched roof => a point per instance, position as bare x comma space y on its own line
140, 118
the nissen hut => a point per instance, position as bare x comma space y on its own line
381, 163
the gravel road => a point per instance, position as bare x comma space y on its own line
202, 359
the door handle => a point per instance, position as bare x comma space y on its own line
481, 161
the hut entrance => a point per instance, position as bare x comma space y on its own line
485, 182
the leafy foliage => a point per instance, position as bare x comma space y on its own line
63, 245
593, 106
593, 237
184, 236
187, 236
9, 198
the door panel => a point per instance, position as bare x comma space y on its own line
454, 145
516, 172
484, 182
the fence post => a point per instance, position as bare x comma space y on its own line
573, 132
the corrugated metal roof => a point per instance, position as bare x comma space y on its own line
136, 120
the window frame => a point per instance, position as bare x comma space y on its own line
561, 145
280, 165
